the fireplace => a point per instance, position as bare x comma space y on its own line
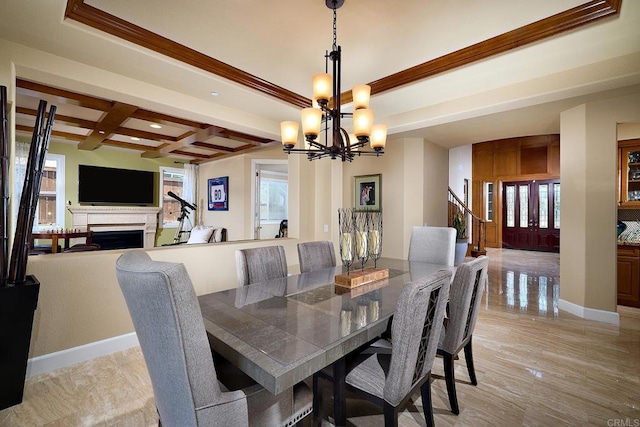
118, 219
118, 239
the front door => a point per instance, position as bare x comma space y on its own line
531, 217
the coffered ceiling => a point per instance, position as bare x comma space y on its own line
451, 72
92, 122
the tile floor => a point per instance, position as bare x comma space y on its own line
536, 366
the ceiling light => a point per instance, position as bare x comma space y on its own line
101, 132
155, 126
214, 94
316, 119
135, 138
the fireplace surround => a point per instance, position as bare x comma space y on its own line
117, 218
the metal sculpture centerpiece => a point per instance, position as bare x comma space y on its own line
360, 236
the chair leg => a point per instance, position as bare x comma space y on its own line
427, 406
468, 355
451, 382
316, 396
390, 415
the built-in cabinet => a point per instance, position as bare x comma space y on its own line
629, 173
629, 275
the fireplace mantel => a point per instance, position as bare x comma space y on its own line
117, 218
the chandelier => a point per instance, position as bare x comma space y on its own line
325, 115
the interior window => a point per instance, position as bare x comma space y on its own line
488, 192
273, 199
171, 179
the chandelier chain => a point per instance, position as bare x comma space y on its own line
335, 29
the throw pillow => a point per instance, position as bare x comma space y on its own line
200, 235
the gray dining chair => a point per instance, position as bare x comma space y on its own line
187, 390
435, 245
258, 265
316, 256
464, 305
388, 373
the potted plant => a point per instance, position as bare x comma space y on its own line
459, 222
18, 292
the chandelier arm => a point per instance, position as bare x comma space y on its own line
346, 144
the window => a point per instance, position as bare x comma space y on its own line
524, 206
171, 179
511, 205
488, 197
274, 199
556, 206
51, 197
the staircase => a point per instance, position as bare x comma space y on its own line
459, 217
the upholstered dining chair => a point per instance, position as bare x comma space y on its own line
257, 265
316, 256
186, 387
435, 245
389, 373
464, 304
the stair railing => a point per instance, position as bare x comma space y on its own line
460, 216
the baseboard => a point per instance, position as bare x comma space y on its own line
589, 313
61, 359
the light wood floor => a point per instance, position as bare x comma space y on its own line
536, 366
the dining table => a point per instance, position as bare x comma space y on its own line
282, 331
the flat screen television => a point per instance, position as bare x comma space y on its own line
99, 185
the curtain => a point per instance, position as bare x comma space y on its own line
190, 190
22, 154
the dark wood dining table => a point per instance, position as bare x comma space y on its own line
283, 331
65, 235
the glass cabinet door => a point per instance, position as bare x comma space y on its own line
629, 174
633, 176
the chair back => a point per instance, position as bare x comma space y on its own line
168, 322
258, 265
434, 245
464, 303
316, 256
416, 328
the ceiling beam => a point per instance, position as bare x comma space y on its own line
164, 119
54, 133
71, 97
570, 19
82, 123
79, 11
108, 125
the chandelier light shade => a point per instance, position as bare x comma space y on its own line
321, 118
289, 132
311, 122
322, 87
378, 136
361, 95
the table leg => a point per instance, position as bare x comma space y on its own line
339, 392
54, 244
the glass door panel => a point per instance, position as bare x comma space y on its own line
530, 207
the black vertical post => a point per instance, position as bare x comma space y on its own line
4, 187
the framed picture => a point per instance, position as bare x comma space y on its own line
367, 192
218, 194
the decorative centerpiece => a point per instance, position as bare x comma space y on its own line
360, 239
18, 292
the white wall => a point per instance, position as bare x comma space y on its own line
460, 168
589, 176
